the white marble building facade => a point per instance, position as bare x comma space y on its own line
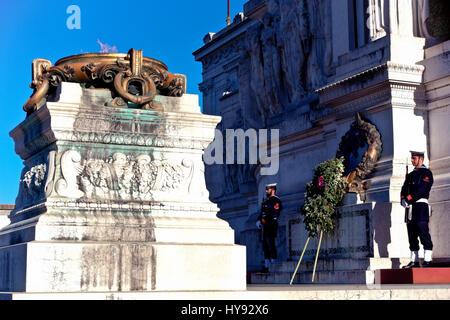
306, 68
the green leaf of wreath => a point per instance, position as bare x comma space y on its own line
323, 195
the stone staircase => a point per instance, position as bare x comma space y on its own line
328, 271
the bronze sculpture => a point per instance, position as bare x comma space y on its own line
132, 77
362, 135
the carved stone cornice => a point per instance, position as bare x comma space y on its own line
355, 86
128, 127
223, 54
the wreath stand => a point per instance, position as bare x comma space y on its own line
301, 257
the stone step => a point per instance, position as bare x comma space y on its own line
332, 271
257, 292
321, 277
338, 264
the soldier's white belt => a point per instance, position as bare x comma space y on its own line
409, 209
423, 200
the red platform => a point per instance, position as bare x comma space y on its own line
413, 275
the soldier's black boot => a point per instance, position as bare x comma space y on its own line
412, 265
428, 254
426, 264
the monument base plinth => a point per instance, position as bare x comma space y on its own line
114, 200
93, 267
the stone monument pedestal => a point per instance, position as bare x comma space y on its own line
114, 199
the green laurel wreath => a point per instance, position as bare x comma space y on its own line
323, 195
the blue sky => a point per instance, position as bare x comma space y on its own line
166, 30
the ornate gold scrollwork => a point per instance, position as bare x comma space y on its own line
175, 85
40, 92
124, 78
44, 75
39, 83
137, 76
131, 76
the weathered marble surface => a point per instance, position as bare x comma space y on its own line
4, 212
261, 292
115, 199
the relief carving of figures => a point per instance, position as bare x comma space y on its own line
289, 53
320, 58
246, 95
421, 12
126, 182
378, 12
97, 179
294, 39
237, 174
33, 180
304, 29
36, 181
121, 177
254, 47
400, 17
271, 64
407, 17
147, 171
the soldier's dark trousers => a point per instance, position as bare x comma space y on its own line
269, 248
419, 230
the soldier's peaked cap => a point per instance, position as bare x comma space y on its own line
271, 185
417, 153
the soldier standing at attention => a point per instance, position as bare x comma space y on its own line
414, 197
268, 221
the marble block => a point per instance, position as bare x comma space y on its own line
115, 199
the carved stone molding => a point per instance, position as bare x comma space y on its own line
133, 139
391, 72
70, 170
223, 54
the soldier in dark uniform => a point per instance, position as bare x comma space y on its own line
268, 221
414, 197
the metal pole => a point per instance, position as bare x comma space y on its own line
228, 13
317, 255
298, 264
